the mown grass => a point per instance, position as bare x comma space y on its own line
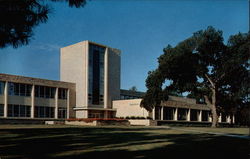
115, 143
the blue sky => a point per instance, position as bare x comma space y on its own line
139, 28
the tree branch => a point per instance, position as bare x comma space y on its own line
210, 81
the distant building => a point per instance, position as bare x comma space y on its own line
128, 94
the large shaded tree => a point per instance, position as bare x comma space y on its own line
207, 68
19, 17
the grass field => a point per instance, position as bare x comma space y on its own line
46, 141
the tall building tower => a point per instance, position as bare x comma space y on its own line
95, 69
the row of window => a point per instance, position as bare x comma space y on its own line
49, 112
1, 110
19, 89
1, 87
45, 92
129, 97
40, 111
18, 110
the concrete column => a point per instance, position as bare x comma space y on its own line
176, 114
219, 118
188, 115
153, 113
68, 100
32, 109
162, 111
106, 103
56, 103
233, 119
5, 99
228, 119
200, 115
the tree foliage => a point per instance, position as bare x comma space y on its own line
203, 65
133, 88
19, 17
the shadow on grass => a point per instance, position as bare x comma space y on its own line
117, 143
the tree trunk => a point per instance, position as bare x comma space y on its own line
213, 109
213, 103
212, 106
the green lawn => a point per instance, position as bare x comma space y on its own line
46, 141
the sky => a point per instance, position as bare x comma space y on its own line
139, 28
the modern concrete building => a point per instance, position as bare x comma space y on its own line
177, 109
89, 88
34, 98
95, 69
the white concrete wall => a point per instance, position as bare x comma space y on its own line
73, 68
19, 100
143, 122
114, 75
129, 107
49, 102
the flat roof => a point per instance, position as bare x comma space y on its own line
35, 81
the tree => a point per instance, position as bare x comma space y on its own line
19, 17
133, 88
206, 67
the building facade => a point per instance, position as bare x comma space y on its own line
29, 98
89, 88
95, 69
177, 109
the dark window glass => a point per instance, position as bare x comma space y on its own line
28, 90
62, 93
28, 111
16, 110
16, 89
22, 111
10, 110
36, 113
62, 112
22, 89
11, 88
1, 110
44, 112
47, 92
2, 87
42, 92
37, 90
52, 92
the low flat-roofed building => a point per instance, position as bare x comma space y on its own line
174, 109
33, 98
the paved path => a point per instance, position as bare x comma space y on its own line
215, 133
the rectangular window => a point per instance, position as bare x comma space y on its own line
18, 110
28, 90
44, 112
42, 92
19, 89
96, 73
2, 85
45, 92
62, 93
10, 111
22, 89
62, 112
1, 110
